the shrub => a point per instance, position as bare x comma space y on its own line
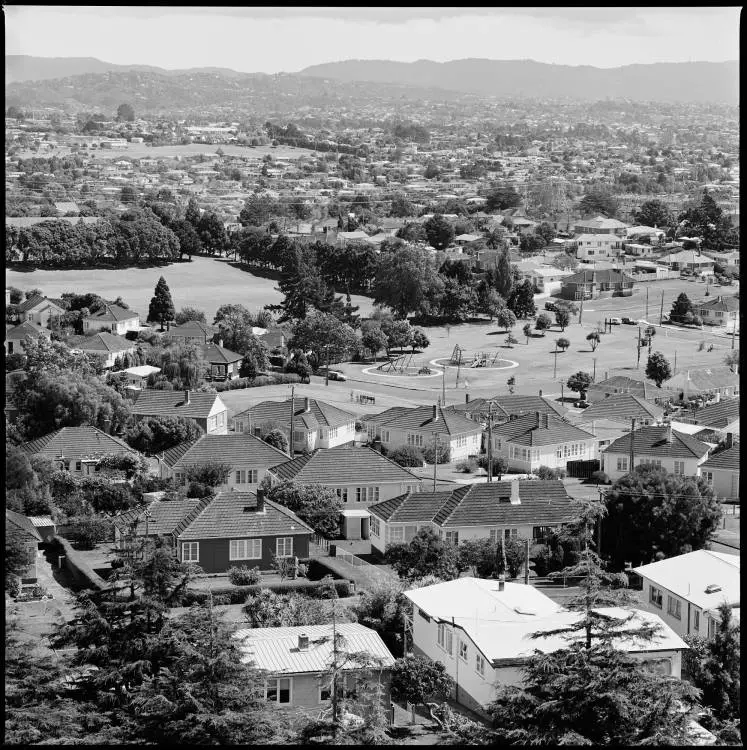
444, 455
86, 533
599, 477
13, 584
545, 472
243, 576
406, 455
467, 467
500, 465
238, 594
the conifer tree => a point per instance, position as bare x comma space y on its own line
161, 305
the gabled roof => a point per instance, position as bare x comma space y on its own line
652, 441
165, 516
341, 465
718, 415
101, 342
728, 459
320, 413
420, 418
152, 403
239, 448
514, 405
704, 378
113, 313
723, 304
625, 384
622, 407
233, 515
217, 354
542, 503
276, 649
22, 523
192, 328
597, 276
690, 574
19, 332
601, 222
76, 443
530, 430
37, 299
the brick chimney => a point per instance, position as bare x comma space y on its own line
108, 426
260, 500
669, 433
307, 404
186, 397
303, 642
729, 440
466, 398
435, 413
220, 343
515, 493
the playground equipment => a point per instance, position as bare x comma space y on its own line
398, 364
480, 359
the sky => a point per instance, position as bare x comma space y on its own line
283, 39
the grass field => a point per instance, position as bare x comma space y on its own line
205, 283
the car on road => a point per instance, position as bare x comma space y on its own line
615, 321
629, 321
335, 375
581, 404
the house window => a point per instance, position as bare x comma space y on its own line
452, 537
278, 690
178, 477
375, 526
497, 443
445, 639
245, 549
679, 467
696, 620
342, 493
462, 650
540, 533
674, 607
622, 463
480, 664
416, 440
559, 453
78, 466
385, 436
397, 534
240, 477
284, 546
299, 437
190, 552
655, 596
347, 687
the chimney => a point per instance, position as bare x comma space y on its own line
260, 500
108, 426
466, 398
303, 642
669, 433
501, 582
435, 413
220, 343
186, 396
718, 397
515, 492
306, 404
540, 393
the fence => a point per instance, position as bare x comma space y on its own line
582, 469
350, 558
320, 541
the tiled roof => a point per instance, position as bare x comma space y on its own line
217, 354
728, 459
622, 407
165, 516
192, 328
704, 378
511, 405
542, 503
652, 441
76, 443
233, 515
720, 414
607, 275
236, 449
624, 384
112, 313
32, 302
319, 413
24, 524
152, 403
420, 418
530, 430
101, 342
723, 304
343, 464
19, 332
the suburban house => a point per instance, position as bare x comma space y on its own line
40, 310
482, 632
15, 336
721, 471
689, 260
594, 283
601, 225
527, 509
719, 311
315, 423
623, 407
157, 519
240, 528
77, 449
137, 376
697, 381
360, 476
425, 426
592, 247
503, 407
29, 534
192, 332
274, 337
662, 447
106, 346
296, 663
224, 364
649, 235
249, 457
644, 389
691, 587
545, 279
112, 318
205, 408
722, 416
536, 440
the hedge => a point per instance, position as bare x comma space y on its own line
238, 594
83, 574
279, 378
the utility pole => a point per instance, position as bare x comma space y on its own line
326, 374
733, 331
661, 311
293, 409
526, 562
674, 372
435, 458
580, 312
562, 392
638, 361
490, 443
594, 376
632, 438
555, 365
646, 303
443, 387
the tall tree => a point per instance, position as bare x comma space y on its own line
161, 308
439, 232
125, 113
426, 554
658, 368
501, 198
318, 506
654, 213
325, 336
599, 202
521, 300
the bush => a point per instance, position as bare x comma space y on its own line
86, 533
500, 465
545, 472
444, 455
599, 477
406, 455
13, 584
243, 576
238, 594
467, 467
278, 378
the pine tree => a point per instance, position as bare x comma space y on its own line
161, 307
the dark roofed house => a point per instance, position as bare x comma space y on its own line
721, 471
22, 526
594, 283
696, 381
249, 457
316, 424
157, 519
15, 336
722, 416
113, 318
39, 310
205, 408
719, 311
623, 407
192, 332
504, 407
224, 364
519, 508
106, 346
623, 384
663, 447
359, 476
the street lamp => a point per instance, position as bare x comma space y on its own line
326, 374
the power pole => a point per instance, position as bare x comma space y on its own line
646, 303
594, 376
632, 438
580, 312
326, 374
293, 409
638, 362
674, 372
661, 311
443, 386
490, 443
555, 365
435, 458
733, 331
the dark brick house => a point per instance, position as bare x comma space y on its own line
593, 283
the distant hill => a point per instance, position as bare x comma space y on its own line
682, 82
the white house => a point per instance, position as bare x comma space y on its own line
722, 473
39, 310
662, 447
593, 247
719, 311
206, 409
106, 346
480, 630
112, 318
315, 424
686, 590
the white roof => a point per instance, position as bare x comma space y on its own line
142, 371
688, 575
468, 237
552, 272
41, 521
355, 513
276, 649
644, 230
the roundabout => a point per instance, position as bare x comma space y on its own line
499, 364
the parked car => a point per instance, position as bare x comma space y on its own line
581, 404
629, 321
615, 321
335, 375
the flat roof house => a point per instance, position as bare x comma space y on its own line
205, 408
